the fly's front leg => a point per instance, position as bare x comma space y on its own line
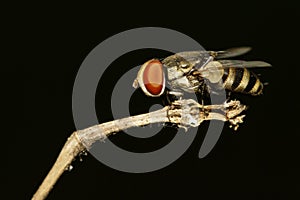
170, 97
173, 95
177, 94
203, 89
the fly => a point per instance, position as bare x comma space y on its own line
200, 72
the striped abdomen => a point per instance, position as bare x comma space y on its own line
241, 80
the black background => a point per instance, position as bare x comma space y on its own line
48, 43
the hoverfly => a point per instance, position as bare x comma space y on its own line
190, 71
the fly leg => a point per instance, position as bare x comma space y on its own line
171, 96
177, 94
203, 93
228, 96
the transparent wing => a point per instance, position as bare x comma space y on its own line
232, 52
198, 59
228, 53
229, 64
188, 59
193, 56
243, 64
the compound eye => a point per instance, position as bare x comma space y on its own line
153, 77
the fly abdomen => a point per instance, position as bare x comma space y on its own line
241, 80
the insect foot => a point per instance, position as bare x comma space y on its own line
233, 111
189, 113
186, 112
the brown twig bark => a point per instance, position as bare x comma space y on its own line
185, 113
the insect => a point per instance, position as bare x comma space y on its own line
200, 71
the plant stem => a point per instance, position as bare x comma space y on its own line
185, 113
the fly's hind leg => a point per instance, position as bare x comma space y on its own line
228, 96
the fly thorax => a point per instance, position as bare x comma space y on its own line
213, 71
182, 83
174, 73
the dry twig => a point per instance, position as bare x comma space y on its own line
185, 113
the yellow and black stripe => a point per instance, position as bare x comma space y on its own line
241, 80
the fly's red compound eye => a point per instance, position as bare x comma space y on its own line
151, 78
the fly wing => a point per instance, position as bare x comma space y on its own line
228, 53
232, 52
243, 64
195, 58
198, 59
187, 59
